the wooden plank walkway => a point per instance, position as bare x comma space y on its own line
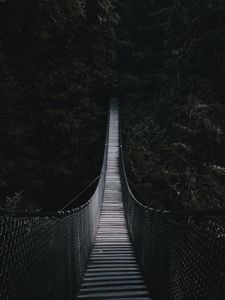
113, 272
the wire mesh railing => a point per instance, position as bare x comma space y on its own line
43, 255
181, 254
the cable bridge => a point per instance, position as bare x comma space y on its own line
112, 269
112, 247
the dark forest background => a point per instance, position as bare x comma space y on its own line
56, 62
60, 61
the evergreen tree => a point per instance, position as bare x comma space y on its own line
183, 97
61, 55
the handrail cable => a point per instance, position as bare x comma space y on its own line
181, 252
80, 193
45, 254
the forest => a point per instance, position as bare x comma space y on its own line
61, 61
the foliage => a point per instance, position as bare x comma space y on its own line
57, 59
16, 201
179, 80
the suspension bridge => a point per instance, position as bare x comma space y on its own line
112, 247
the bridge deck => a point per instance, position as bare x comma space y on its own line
113, 272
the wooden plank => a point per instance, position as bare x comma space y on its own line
112, 273
129, 287
114, 278
117, 282
118, 295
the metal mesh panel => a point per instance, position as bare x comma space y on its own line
44, 255
182, 255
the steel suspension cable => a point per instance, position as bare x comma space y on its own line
80, 193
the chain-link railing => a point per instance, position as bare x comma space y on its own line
44, 255
181, 254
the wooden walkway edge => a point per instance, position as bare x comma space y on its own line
113, 272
